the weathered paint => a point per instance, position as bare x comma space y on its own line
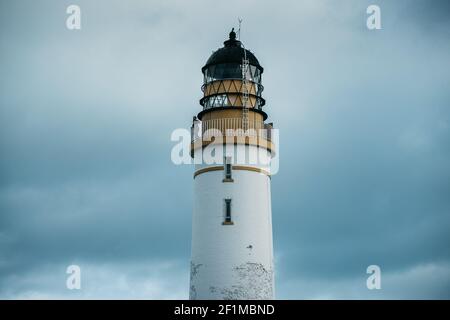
232, 261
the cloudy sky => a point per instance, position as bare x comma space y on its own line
86, 117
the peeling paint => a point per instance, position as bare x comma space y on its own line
194, 269
194, 272
253, 281
192, 293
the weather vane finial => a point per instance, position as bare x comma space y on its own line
239, 30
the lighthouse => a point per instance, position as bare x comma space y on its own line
232, 147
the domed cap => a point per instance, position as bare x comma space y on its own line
232, 52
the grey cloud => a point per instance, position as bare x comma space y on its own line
86, 118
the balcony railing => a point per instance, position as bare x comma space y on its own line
229, 127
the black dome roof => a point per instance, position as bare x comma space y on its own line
232, 52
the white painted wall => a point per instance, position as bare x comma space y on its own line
232, 261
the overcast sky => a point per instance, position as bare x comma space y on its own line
86, 118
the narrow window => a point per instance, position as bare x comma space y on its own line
228, 212
228, 170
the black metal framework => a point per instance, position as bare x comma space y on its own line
228, 93
230, 71
222, 78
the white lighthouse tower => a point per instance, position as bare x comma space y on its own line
232, 251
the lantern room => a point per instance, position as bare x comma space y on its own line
223, 74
